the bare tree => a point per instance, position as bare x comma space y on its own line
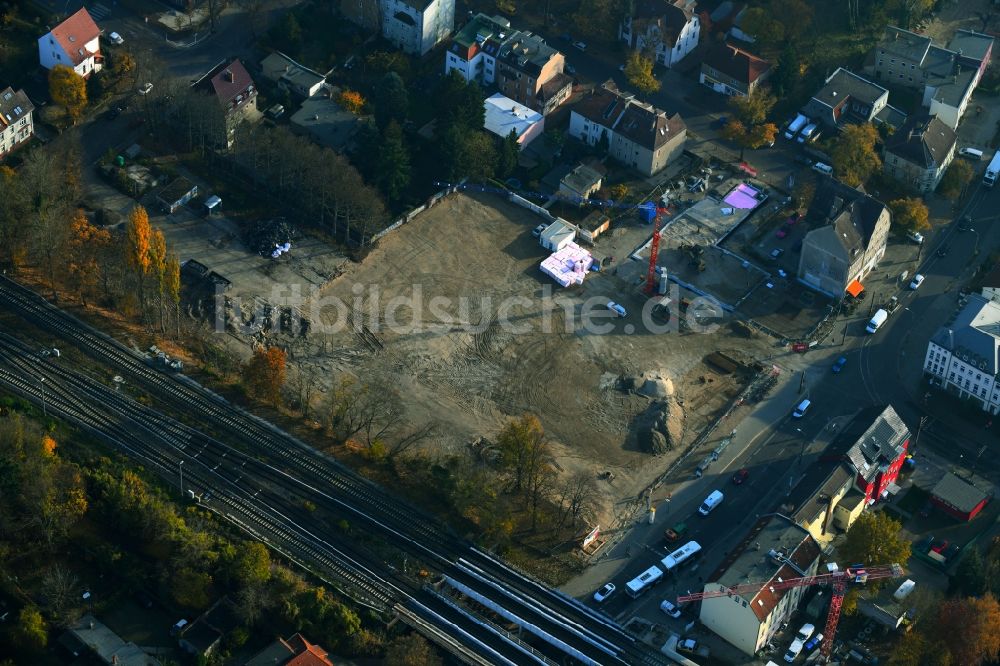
59, 588
577, 497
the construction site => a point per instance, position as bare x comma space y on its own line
453, 312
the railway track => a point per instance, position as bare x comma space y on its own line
281, 469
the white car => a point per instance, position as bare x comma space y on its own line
806, 632
115, 38
916, 237
670, 609
917, 280
793, 651
604, 592
146, 87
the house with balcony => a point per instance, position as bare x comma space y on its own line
417, 26
530, 72
669, 29
733, 71
637, 134
472, 52
234, 90
849, 237
963, 356
16, 121
919, 153
76, 43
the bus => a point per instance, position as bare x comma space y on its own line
686, 552
643, 581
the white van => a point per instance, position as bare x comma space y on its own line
712, 501
807, 133
917, 280
794, 126
823, 168
802, 408
973, 153
877, 320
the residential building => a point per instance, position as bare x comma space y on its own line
473, 50
874, 444
231, 85
730, 70
919, 153
290, 75
504, 116
326, 122
825, 502
16, 121
849, 98
946, 76
175, 195
296, 651
580, 183
530, 72
774, 549
637, 134
963, 356
416, 26
850, 241
75, 43
959, 498
669, 29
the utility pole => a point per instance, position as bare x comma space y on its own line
871, 306
920, 426
802, 381
41, 386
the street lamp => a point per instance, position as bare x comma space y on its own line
180, 469
975, 250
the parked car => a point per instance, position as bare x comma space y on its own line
740, 476
115, 38
675, 532
943, 251
916, 237
776, 252
719, 123
537, 231
793, 651
113, 112
670, 609
804, 161
805, 632
617, 309
580, 45
781, 233
839, 364
917, 280
146, 87
965, 223
813, 643
604, 592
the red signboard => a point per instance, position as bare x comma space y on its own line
800, 347
749, 169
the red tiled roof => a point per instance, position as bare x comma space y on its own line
307, 653
803, 556
230, 81
742, 65
74, 33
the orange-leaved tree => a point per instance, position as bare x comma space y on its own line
264, 374
69, 90
86, 243
138, 235
352, 101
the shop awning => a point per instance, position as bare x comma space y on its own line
855, 288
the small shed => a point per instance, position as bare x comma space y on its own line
176, 194
580, 183
557, 235
959, 498
595, 224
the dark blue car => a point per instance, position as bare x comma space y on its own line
839, 364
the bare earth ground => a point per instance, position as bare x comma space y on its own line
458, 266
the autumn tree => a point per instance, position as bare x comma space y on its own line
191, 588
955, 179
86, 245
252, 564
264, 374
411, 649
69, 90
909, 214
749, 127
526, 456
639, 72
970, 629
138, 240
854, 154
31, 632
875, 538
352, 101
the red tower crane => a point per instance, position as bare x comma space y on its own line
857, 573
654, 250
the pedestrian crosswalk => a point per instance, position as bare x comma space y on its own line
98, 11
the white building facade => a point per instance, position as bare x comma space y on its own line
75, 43
16, 121
962, 356
669, 30
417, 26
